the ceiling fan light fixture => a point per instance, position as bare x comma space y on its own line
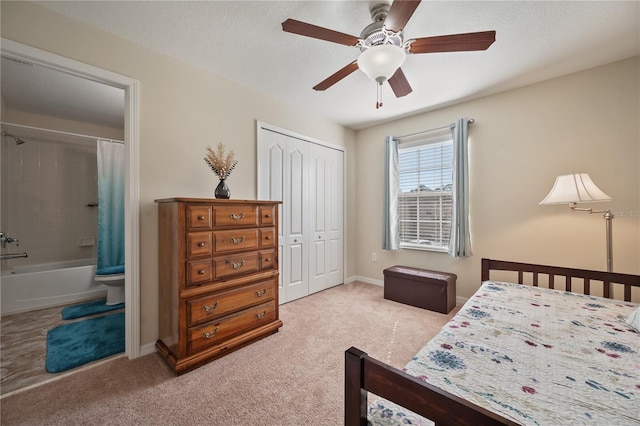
381, 61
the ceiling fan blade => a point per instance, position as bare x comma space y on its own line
453, 42
314, 31
399, 84
400, 13
342, 73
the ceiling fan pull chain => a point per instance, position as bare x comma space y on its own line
378, 96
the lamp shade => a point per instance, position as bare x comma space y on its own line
575, 188
381, 61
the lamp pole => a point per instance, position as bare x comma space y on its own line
608, 217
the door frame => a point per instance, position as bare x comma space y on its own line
130, 86
286, 132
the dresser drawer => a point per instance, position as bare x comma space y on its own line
199, 244
225, 327
199, 272
268, 237
199, 217
235, 215
243, 263
267, 215
267, 259
225, 302
242, 239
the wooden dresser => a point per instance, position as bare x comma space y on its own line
218, 277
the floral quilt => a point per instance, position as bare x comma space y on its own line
535, 356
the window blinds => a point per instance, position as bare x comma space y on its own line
426, 197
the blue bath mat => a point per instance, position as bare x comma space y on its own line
89, 308
78, 343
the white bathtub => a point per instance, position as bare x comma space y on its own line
27, 288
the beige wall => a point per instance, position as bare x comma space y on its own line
182, 110
521, 140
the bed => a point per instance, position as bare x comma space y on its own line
515, 354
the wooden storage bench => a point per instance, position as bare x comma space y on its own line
431, 290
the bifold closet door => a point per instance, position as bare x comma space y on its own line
309, 179
326, 171
280, 178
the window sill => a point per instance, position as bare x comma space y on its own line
424, 248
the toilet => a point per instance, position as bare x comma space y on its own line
113, 278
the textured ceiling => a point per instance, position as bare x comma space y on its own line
243, 41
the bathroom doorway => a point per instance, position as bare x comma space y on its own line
83, 73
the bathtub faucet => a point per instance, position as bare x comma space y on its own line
12, 256
4, 240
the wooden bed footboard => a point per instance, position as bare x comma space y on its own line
364, 374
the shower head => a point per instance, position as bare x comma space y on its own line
15, 138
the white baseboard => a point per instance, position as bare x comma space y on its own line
147, 349
364, 280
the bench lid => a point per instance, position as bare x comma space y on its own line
418, 273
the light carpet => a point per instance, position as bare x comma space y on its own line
294, 377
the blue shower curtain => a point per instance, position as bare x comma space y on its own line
110, 207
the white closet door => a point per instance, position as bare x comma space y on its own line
335, 215
309, 179
318, 220
326, 257
295, 238
272, 186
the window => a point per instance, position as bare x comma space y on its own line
425, 196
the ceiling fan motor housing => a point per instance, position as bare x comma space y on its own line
375, 33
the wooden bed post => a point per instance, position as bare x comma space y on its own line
485, 269
355, 397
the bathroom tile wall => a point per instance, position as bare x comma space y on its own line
46, 192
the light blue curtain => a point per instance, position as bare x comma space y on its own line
111, 171
390, 234
460, 240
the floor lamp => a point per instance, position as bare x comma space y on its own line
579, 188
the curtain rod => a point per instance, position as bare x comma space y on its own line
470, 121
59, 132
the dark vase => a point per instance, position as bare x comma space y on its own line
222, 190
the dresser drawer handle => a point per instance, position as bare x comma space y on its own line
268, 215
261, 293
268, 237
202, 244
261, 315
237, 265
237, 216
209, 334
268, 259
237, 240
201, 272
200, 218
209, 308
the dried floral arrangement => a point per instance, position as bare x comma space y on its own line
220, 161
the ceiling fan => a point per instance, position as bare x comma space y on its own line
383, 48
